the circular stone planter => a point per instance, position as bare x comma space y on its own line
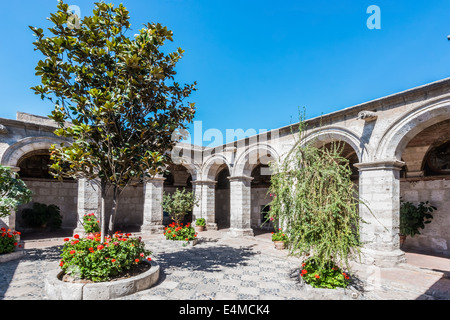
56, 289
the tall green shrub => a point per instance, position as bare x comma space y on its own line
316, 202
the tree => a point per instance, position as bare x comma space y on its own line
118, 95
179, 204
316, 202
13, 191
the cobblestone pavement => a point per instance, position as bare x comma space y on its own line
217, 268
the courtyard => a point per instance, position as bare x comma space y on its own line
225, 268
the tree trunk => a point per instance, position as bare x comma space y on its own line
102, 213
112, 217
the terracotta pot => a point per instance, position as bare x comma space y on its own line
279, 245
402, 239
200, 228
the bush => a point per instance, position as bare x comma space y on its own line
329, 276
42, 215
413, 218
8, 241
90, 223
86, 258
179, 232
13, 191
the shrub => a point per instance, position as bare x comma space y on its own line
328, 276
279, 236
87, 258
179, 232
413, 218
8, 241
42, 215
13, 191
90, 223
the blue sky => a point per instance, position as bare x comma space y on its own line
256, 62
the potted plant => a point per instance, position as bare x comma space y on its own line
179, 204
43, 216
279, 239
180, 232
200, 224
413, 218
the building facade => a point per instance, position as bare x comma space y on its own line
398, 147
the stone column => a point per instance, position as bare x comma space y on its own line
89, 201
153, 211
205, 192
240, 206
379, 188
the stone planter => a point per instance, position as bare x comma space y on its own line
11, 256
279, 245
349, 293
181, 243
56, 289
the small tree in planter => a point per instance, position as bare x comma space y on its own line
315, 199
179, 204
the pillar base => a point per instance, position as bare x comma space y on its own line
233, 232
211, 226
152, 229
382, 259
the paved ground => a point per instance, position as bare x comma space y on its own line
223, 268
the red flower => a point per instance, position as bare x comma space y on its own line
136, 260
142, 254
304, 271
149, 259
72, 252
76, 236
317, 276
345, 276
113, 260
66, 239
61, 263
100, 247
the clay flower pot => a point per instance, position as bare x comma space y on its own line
279, 245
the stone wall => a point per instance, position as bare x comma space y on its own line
436, 236
63, 194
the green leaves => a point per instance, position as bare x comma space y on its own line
315, 198
13, 191
179, 204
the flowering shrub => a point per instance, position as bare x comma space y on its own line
8, 241
90, 223
331, 276
279, 236
87, 258
179, 232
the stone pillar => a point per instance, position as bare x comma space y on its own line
240, 206
153, 211
89, 201
205, 192
379, 188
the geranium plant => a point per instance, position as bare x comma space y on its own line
8, 240
179, 231
279, 236
89, 259
327, 276
90, 223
